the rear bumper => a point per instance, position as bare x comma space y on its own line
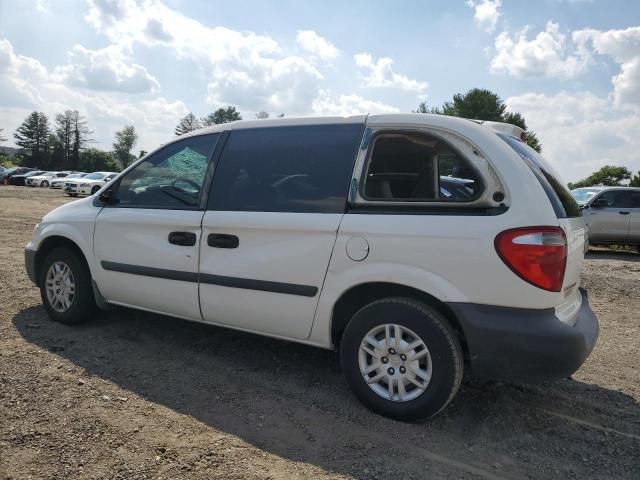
522, 344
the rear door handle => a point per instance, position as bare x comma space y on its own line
221, 240
185, 239
623, 213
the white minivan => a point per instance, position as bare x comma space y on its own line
421, 247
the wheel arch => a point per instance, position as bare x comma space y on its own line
49, 244
360, 295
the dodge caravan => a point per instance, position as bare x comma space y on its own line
421, 247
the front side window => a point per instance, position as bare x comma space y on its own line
418, 168
614, 198
171, 178
286, 169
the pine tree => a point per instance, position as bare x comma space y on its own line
33, 136
73, 133
222, 115
2, 138
187, 124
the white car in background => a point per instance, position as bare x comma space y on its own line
44, 179
59, 182
89, 184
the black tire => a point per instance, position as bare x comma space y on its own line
72, 194
95, 189
83, 304
438, 336
44, 184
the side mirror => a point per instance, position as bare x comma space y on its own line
600, 203
107, 197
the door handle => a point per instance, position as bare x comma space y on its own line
221, 240
623, 213
185, 239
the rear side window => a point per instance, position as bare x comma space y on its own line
286, 169
564, 205
418, 168
635, 200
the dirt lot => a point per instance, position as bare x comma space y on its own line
132, 395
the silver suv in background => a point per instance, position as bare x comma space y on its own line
612, 214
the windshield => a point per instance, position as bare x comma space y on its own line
76, 175
94, 176
583, 195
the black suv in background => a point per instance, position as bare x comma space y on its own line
21, 179
11, 172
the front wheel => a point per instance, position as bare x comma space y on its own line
95, 189
72, 194
44, 184
402, 359
65, 287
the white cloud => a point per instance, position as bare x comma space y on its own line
623, 46
549, 54
110, 68
317, 45
580, 132
486, 13
380, 74
26, 85
326, 104
245, 69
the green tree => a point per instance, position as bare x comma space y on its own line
222, 115
33, 136
73, 134
609, 176
635, 180
2, 137
142, 153
481, 104
126, 139
187, 124
93, 160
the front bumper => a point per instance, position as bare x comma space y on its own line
30, 264
522, 344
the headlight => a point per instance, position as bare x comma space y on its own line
84, 184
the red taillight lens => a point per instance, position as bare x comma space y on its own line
538, 255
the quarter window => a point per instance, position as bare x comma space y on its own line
418, 168
635, 199
171, 178
286, 169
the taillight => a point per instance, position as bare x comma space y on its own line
538, 255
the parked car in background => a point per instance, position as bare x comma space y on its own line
9, 172
59, 182
20, 180
612, 214
89, 184
406, 242
44, 179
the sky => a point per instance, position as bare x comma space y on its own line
571, 67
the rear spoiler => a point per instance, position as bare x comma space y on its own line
505, 128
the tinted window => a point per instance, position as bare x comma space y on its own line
170, 178
635, 200
405, 167
563, 203
286, 169
614, 198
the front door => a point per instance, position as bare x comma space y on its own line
278, 196
610, 223
147, 242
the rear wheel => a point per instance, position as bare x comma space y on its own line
402, 359
72, 194
65, 287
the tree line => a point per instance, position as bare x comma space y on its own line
65, 144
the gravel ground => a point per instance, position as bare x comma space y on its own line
132, 395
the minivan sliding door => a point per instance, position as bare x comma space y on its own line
276, 203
